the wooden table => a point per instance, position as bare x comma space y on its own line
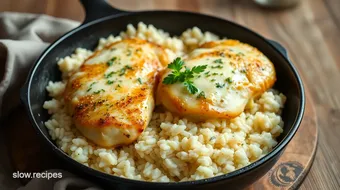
311, 33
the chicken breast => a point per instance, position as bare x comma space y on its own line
111, 97
234, 73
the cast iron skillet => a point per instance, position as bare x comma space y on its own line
102, 20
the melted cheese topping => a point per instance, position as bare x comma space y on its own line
111, 96
235, 73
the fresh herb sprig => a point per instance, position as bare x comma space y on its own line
185, 76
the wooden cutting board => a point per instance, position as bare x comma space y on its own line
29, 155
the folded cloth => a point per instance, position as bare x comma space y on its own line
22, 38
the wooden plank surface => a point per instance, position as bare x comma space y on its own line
310, 32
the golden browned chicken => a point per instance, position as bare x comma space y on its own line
111, 96
219, 79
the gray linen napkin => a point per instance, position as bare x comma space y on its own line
22, 38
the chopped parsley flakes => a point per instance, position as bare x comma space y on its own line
201, 95
90, 87
110, 62
218, 61
229, 80
99, 91
109, 74
140, 81
218, 85
123, 70
218, 67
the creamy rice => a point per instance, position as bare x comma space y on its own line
170, 148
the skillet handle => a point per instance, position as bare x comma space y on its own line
95, 9
279, 47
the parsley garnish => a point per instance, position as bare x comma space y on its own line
218, 66
110, 82
97, 92
90, 87
201, 95
110, 62
218, 61
243, 71
109, 74
183, 76
140, 81
122, 71
229, 80
190, 87
218, 85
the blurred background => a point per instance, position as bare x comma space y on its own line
310, 30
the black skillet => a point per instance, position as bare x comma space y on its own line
103, 20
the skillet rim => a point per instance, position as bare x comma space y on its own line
24, 95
